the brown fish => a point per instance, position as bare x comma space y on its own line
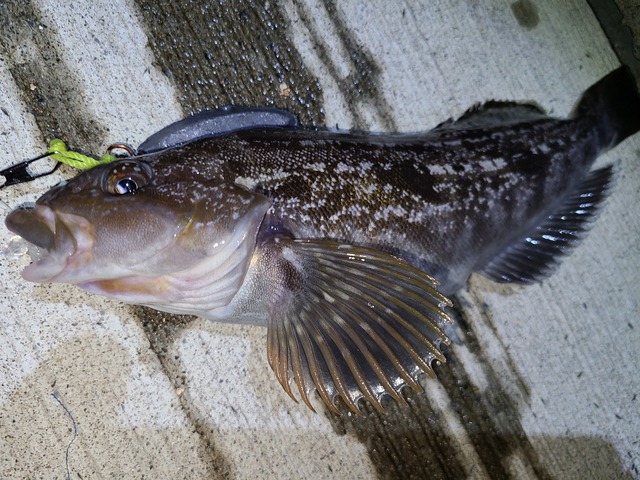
325, 237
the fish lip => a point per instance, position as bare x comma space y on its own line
47, 230
35, 224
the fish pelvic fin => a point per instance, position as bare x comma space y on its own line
535, 255
614, 102
352, 322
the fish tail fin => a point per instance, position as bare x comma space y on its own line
615, 102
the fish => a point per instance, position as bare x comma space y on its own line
346, 246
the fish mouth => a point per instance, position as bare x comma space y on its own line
54, 237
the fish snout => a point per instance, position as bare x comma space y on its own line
35, 225
62, 242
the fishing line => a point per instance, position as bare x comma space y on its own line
75, 433
4, 207
58, 151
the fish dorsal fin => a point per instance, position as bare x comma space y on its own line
493, 113
219, 121
352, 322
534, 256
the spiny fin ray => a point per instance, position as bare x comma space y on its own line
534, 256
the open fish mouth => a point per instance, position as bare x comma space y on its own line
58, 239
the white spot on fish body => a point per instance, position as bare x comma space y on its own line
447, 169
358, 210
437, 169
342, 167
389, 210
251, 182
415, 216
490, 165
369, 189
316, 166
364, 167
544, 148
289, 256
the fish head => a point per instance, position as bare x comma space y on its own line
146, 232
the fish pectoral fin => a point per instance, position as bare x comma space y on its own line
494, 113
353, 322
534, 256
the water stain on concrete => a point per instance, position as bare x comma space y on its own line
620, 21
234, 52
361, 86
526, 13
29, 46
162, 330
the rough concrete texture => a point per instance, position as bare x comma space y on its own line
545, 384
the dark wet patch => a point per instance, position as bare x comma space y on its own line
46, 84
230, 53
604, 461
361, 87
526, 13
620, 21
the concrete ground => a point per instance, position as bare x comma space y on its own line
546, 383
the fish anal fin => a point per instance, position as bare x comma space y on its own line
352, 323
535, 255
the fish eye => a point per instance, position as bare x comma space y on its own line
126, 178
126, 185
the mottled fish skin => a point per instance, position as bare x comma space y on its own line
446, 201
331, 239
